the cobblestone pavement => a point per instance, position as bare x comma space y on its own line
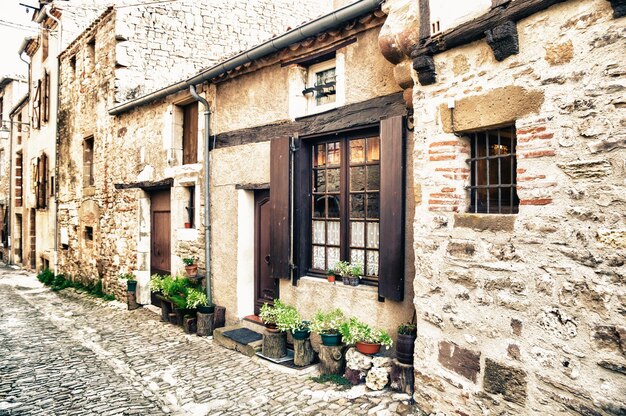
66, 353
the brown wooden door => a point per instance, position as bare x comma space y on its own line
160, 254
265, 287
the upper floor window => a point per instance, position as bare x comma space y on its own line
493, 174
321, 86
88, 171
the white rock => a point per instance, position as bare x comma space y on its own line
357, 361
377, 378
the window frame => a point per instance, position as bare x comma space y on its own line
474, 186
89, 181
304, 198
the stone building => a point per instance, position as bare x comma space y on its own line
519, 227
259, 99
128, 51
12, 93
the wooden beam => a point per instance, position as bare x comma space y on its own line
475, 29
148, 185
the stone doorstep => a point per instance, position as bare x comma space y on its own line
249, 349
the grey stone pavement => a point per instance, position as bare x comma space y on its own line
67, 353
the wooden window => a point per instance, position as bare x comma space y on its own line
190, 208
88, 171
340, 198
321, 86
190, 133
19, 129
18, 180
346, 173
493, 187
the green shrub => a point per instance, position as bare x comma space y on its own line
196, 298
327, 322
354, 331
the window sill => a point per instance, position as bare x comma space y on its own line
338, 283
187, 234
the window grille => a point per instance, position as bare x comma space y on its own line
493, 174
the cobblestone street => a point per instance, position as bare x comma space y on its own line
67, 353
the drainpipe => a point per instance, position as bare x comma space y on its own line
56, 142
207, 192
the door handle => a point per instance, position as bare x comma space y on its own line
267, 259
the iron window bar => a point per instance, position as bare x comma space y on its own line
478, 204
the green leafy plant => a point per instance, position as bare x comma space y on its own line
289, 319
174, 286
60, 282
327, 322
407, 328
347, 269
269, 313
189, 261
353, 331
330, 272
196, 298
128, 276
332, 378
156, 283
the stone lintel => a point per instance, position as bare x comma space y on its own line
485, 222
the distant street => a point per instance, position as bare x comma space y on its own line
69, 354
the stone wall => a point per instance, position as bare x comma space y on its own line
524, 313
163, 43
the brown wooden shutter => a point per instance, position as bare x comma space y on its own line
35, 180
46, 97
391, 263
190, 134
280, 243
36, 106
44, 181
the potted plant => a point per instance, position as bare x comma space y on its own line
342, 268
288, 319
131, 281
355, 271
330, 275
366, 339
407, 333
190, 266
327, 324
197, 299
269, 314
187, 225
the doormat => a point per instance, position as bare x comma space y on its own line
243, 335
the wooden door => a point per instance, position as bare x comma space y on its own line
33, 239
160, 254
265, 287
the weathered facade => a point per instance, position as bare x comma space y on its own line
12, 94
519, 312
125, 52
254, 108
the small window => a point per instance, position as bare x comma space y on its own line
493, 187
88, 233
321, 88
73, 64
88, 175
91, 53
44, 43
190, 208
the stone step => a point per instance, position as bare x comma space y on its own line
249, 349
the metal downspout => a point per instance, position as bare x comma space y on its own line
56, 142
207, 192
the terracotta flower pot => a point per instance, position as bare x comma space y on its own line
192, 271
331, 278
367, 348
187, 225
271, 327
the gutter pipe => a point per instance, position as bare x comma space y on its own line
56, 141
207, 193
307, 30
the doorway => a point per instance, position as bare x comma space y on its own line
160, 251
265, 288
18, 240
